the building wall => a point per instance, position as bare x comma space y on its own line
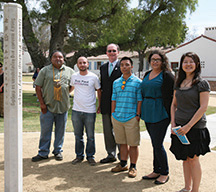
205, 49
212, 85
27, 66
210, 32
94, 65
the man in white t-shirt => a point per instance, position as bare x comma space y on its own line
84, 83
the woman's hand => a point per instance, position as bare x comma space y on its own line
173, 125
183, 130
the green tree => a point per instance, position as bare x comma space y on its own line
73, 24
160, 23
153, 23
58, 14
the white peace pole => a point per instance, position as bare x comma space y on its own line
13, 166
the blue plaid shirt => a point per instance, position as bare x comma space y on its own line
126, 100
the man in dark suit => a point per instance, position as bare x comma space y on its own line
109, 72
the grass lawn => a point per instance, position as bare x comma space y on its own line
27, 78
214, 148
31, 116
210, 110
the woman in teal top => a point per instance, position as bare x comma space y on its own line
152, 94
157, 90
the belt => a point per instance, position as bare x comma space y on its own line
153, 98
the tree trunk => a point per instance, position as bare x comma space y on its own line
58, 29
141, 59
37, 57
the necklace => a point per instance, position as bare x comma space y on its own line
153, 74
57, 87
187, 83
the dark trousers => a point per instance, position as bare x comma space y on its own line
157, 132
109, 138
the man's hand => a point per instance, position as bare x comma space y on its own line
138, 118
98, 110
43, 108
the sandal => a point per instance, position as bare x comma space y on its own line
185, 190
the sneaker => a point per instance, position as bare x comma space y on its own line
38, 158
132, 172
77, 160
58, 157
119, 168
92, 162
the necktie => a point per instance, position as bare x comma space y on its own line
110, 69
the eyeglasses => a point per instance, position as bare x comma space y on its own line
109, 51
123, 85
155, 60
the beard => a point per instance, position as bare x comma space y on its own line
83, 69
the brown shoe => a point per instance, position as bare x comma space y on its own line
119, 168
76, 160
92, 162
132, 172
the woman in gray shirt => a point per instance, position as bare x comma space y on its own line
190, 101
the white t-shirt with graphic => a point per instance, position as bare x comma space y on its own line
84, 91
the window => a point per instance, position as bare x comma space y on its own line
174, 65
95, 65
90, 65
202, 64
98, 65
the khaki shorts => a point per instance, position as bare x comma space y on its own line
127, 132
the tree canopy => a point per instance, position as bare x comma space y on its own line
74, 25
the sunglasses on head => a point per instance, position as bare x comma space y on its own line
109, 51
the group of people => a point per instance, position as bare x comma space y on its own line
123, 99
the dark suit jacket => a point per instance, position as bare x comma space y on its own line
107, 86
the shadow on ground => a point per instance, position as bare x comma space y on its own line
82, 176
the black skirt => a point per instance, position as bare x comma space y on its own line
199, 144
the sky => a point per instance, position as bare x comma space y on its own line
204, 16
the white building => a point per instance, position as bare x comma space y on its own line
205, 47
96, 62
27, 66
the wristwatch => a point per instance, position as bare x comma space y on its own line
138, 115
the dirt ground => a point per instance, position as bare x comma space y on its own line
51, 175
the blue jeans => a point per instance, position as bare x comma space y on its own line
157, 132
81, 120
46, 121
